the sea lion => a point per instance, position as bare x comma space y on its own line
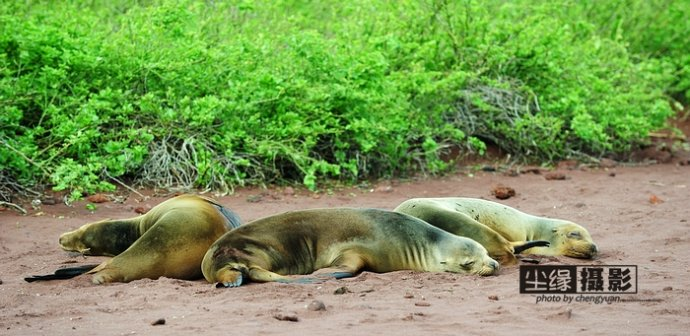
170, 240
338, 243
470, 217
498, 247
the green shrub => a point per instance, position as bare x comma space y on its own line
650, 29
197, 94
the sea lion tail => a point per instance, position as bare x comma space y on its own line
62, 273
521, 246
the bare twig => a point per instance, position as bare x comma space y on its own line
9, 186
15, 206
45, 172
666, 135
181, 164
481, 108
123, 184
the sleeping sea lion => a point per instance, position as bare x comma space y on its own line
470, 217
170, 240
339, 243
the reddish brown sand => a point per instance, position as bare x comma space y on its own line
637, 216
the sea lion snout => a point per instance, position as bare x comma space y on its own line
582, 251
69, 242
489, 267
494, 265
593, 251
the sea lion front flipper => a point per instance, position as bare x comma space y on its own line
62, 273
232, 276
237, 274
236, 283
521, 246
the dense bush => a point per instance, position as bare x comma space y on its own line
649, 29
212, 94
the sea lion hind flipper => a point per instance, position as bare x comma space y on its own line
518, 247
317, 279
323, 275
305, 280
62, 273
529, 260
340, 275
234, 220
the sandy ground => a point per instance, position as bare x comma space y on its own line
637, 215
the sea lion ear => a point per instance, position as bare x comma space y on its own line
554, 230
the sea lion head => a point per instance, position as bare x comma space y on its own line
572, 240
79, 240
102, 238
469, 257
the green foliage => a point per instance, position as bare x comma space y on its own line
212, 94
650, 29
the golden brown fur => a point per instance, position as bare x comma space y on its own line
338, 243
170, 240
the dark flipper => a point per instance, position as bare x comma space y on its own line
529, 260
530, 244
233, 219
62, 273
319, 278
339, 275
